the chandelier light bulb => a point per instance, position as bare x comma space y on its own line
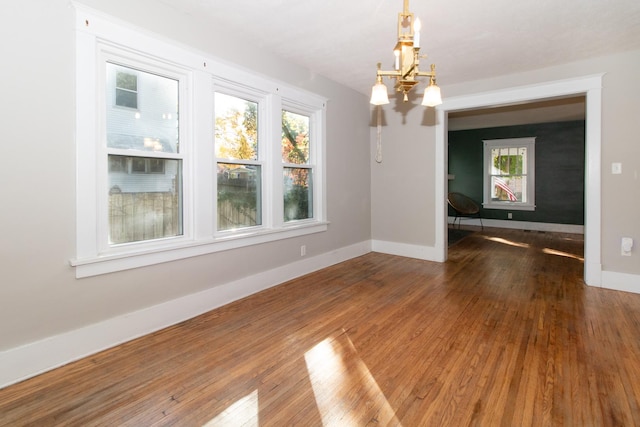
417, 26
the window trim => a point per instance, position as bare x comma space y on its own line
264, 101
109, 53
489, 144
96, 32
315, 153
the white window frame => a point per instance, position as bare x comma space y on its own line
110, 54
315, 121
489, 144
98, 35
264, 102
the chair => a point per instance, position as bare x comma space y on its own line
464, 207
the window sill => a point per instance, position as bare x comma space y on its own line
110, 263
509, 206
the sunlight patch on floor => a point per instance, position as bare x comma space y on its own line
506, 242
564, 254
243, 412
341, 382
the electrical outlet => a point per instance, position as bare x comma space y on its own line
625, 247
509, 215
616, 168
303, 250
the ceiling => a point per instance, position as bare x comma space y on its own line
467, 40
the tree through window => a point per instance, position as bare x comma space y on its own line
298, 173
239, 171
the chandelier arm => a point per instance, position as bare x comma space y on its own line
389, 73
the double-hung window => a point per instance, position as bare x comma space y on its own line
181, 155
509, 174
239, 162
143, 152
297, 166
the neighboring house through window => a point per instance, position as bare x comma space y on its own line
509, 174
148, 205
180, 155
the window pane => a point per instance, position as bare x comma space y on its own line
138, 165
125, 98
153, 126
508, 161
236, 132
144, 205
117, 164
522, 155
298, 195
295, 138
127, 81
510, 188
239, 200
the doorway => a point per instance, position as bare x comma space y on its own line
591, 88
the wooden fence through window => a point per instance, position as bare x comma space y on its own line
134, 217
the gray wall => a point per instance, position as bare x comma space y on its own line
559, 167
39, 294
409, 144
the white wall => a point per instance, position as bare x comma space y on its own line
42, 306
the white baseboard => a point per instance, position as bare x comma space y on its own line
29, 360
428, 253
621, 281
523, 225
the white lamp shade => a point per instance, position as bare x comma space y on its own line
432, 96
379, 94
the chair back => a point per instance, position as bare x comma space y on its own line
462, 204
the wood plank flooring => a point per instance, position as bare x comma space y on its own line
503, 333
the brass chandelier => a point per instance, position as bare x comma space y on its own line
407, 60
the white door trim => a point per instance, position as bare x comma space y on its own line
591, 87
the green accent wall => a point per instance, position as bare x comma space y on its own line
560, 169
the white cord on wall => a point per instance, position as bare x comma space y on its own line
379, 135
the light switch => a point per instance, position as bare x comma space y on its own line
616, 168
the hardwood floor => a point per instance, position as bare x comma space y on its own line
504, 333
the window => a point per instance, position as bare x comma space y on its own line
145, 199
180, 155
509, 174
297, 169
239, 169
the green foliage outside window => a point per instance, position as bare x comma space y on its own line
298, 203
236, 138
